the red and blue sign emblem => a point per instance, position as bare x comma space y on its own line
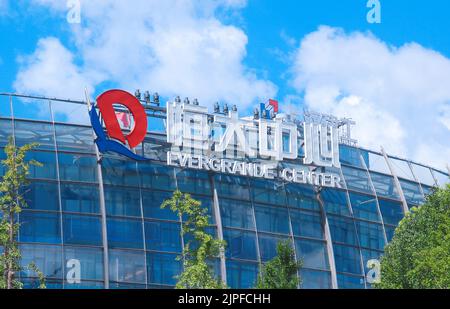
114, 140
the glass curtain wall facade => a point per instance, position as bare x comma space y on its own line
334, 231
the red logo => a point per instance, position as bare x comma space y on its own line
105, 103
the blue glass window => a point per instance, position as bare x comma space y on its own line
119, 172
77, 167
301, 197
47, 258
389, 232
384, 185
349, 155
127, 266
122, 202
266, 191
74, 138
268, 245
82, 230
240, 244
272, 219
391, 211
350, 282
342, 230
91, 262
315, 279
42, 196
371, 235
80, 198
357, 179
241, 275
412, 193
40, 227
193, 181
48, 160
312, 253
124, 233
157, 176
232, 187
163, 236
364, 207
163, 268
347, 259
306, 224
34, 132
236, 214
335, 201
152, 201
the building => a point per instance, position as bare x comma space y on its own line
70, 236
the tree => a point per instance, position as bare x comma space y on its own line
200, 246
281, 271
418, 256
11, 204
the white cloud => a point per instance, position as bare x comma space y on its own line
176, 47
399, 96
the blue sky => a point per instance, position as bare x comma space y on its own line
320, 54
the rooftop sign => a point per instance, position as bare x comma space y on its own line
262, 145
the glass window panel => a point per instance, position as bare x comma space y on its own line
385, 186
240, 244
347, 259
315, 279
389, 232
50, 284
163, 268
80, 198
5, 106
342, 230
267, 191
423, 174
391, 211
34, 132
312, 253
371, 235
163, 236
364, 207
350, 282
152, 201
83, 285
427, 190
236, 214
412, 193
40, 227
42, 195
377, 163
268, 245
82, 230
124, 233
122, 201
47, 258
74, 138
91, 262
241, 275
77, 167
350, 155
301, 197
232, 187
127, 266
442, 178
157, 176
271, 219
48, 168
357, 179
120, 172
369, 255
401, 169
193, 181
306, 224
335, 201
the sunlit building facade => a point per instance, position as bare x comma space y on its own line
135, 243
